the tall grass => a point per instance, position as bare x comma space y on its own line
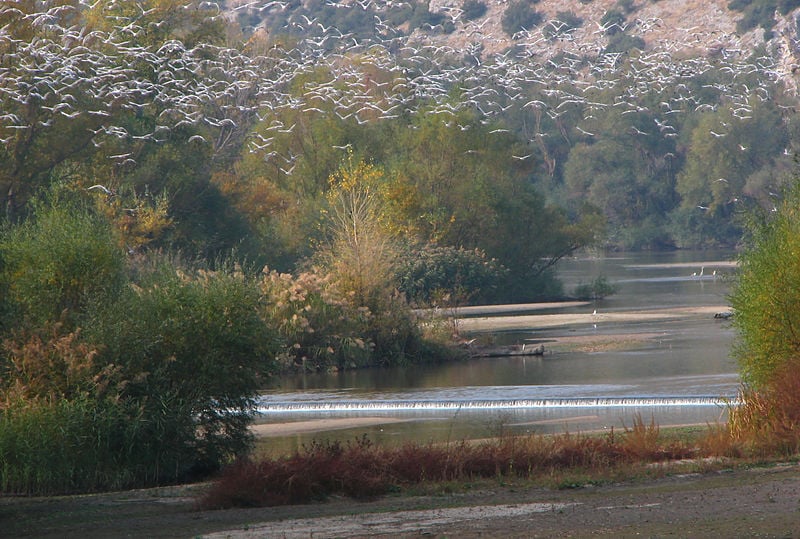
66, 446
768, 420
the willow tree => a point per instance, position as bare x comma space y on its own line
766, 298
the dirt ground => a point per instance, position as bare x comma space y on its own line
754, 502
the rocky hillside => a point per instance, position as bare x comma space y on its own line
680, 27
688, 26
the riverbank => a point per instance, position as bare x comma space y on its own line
723, 501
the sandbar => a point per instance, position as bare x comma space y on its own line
538, 321
288, 428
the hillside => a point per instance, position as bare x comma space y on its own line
666, 24
687, 28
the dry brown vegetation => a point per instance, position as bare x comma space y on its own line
764, 426
362, 470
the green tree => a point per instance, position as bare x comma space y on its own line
724, 162
427, 273
191, 351
57, 263
765, 299
626, 171
156, 375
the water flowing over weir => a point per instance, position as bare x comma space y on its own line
612, 364
516, 404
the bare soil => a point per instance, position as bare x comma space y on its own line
746, 502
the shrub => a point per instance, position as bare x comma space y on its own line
613, 21
626, 6
520, 16
474, 9
56, 263
319, 326
78, 445
624, 43
597, 289
463, 275
767, 422
565, 22
191, 350
50, 364
362, 470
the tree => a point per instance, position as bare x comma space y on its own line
57, 263
360, 253
427, 273
766, 297
723, 164
623, 170
153, 367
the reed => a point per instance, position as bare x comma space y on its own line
66, 446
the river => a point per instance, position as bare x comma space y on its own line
608, 364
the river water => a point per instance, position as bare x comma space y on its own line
672, 371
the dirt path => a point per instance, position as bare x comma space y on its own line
759, 502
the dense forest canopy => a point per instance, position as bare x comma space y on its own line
220, 126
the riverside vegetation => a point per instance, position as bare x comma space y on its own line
764, 426
191, 210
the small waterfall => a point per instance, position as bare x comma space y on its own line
509, 404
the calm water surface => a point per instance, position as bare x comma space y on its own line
687, 362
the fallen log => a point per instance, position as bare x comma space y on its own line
507, 351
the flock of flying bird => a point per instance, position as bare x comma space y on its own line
67, 71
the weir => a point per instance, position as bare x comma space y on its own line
268, 408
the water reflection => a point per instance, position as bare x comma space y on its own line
641, 359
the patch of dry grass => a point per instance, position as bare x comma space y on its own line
362, 470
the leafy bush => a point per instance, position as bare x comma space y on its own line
154, 379
621, 42
761, 13
520, 16
421, 17
626, 6
319, 327
51, 364
613, 21
464, 276
191, 349
323, 328
57, 262
597, 289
